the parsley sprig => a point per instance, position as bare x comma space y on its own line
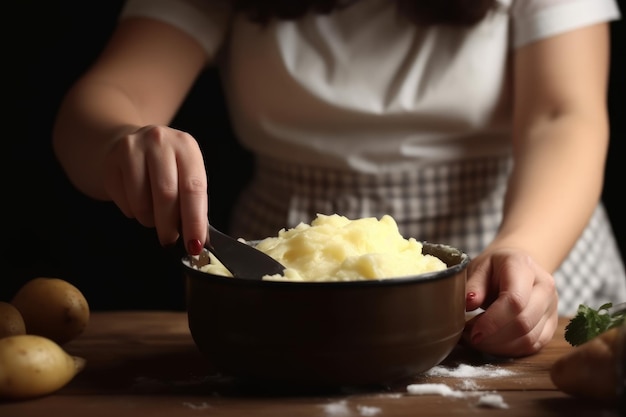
589, 323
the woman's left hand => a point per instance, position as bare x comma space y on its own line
520, 302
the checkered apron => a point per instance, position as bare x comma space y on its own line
458, 203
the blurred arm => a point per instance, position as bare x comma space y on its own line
560, 143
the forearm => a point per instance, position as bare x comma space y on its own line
141, 78
90, 119
555, 185
560, 141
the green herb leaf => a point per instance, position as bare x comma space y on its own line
589, 323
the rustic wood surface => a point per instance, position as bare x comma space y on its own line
142, 363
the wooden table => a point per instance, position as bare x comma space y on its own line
146, 364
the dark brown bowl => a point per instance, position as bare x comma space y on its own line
329, 334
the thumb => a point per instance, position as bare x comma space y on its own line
477, 284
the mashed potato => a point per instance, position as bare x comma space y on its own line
334, 248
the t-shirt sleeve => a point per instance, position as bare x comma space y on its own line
205, 21
538, 19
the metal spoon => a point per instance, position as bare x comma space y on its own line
241, 259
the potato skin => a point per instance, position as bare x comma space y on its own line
33, 366
53, 308
591, 369
11, 321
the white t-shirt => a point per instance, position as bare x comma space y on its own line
365, 89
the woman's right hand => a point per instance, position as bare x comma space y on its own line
157, 175
112, 138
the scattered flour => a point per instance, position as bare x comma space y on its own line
492, 401
337, 409
368, 411
342, 409
434, 389
469, 371
485, 399
469, 386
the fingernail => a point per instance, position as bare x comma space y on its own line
194, 247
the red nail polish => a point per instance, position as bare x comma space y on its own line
194, 247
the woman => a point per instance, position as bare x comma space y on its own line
479, 124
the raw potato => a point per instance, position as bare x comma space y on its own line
53, 308
33, 366
590, 370
11, 321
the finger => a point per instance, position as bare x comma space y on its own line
516, 280
193, 196
528, 331
125, 181
131, 160
477, 284
511, 342
114, 186
163, 173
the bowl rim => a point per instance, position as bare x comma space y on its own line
402, 280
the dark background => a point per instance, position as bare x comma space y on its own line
55, 231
